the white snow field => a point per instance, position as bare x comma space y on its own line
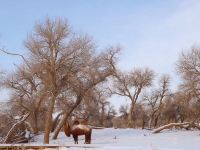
129, 139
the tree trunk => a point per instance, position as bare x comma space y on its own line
34, 122
156, 121
65, 117
130, 115
48, 121
60, 125
151, 119
102, 116
55, 121
143, 123
150, 122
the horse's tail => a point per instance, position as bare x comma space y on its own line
66, 128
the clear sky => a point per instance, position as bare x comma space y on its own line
151, 32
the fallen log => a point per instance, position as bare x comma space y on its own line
95, 127
10, 133
185, 125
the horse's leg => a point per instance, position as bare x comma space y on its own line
75, 139
86, 138
89, 137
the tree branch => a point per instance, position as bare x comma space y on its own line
15, 54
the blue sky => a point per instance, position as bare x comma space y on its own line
152, 33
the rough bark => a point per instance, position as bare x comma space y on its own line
48, 121
34, 122
130, 116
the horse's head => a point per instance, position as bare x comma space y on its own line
67, 129
76, 122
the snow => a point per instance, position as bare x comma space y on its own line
17, 117
129, 139
54, 115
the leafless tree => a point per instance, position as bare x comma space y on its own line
189, 68
155, 99
131, 84
60, 64
96, 107
103, 103
56, 56
28, 93
95, 72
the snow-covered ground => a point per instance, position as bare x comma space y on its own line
131, 139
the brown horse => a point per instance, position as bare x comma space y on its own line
78, 129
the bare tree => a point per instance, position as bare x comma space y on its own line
28, 93
177, 108
59, 63
155, 99
55, 55
95, 107
189, 68
98, 69
103, 103
131, 85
